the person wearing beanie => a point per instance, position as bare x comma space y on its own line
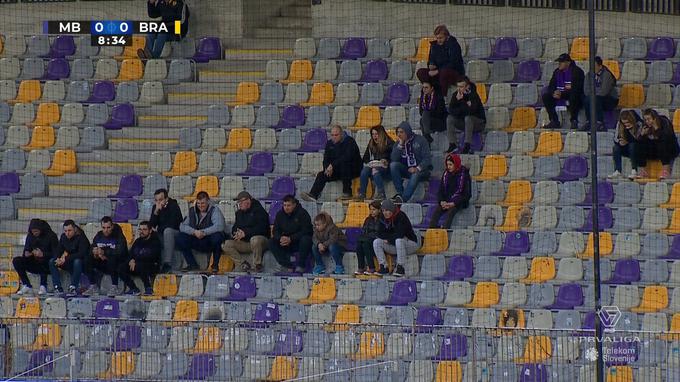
455, 190
565, 90
395, 236
411, 159
40, 246
249, 234
369, 232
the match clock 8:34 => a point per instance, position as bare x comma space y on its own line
111, 40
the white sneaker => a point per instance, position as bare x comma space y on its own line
615, 174
25, 289
42, 291
633, 174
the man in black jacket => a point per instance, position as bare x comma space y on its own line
166, 217
395, 235
73, 249
40, 246
466, 112
341, 161
145, 254
250, 233
169, 11
565, 90
292, 232
109, 248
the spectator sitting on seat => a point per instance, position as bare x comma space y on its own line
341, 161
626, 142
606, 95
328, 239
395, 236
466, 112
565, 90
657, 141
411, 159
202, 230
40, 246
376, 163
250, 233
73, 249
109, 249
432, 108
292, 233
169, 11
455, 190
166, 217
145, 256
445, 63
369, 232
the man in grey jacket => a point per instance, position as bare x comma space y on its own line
202, 230
411, 159
606, 95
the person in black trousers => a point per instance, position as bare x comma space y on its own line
455, 190
109, 248
166, 217
565, 90
145, 256
432, 109
369, 232
657, 141
292, 233
40, 246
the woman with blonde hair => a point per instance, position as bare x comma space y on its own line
626, 142
376, 163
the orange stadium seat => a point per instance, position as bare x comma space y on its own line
29, 91
47, 114
64, 162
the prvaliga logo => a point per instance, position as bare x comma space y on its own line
609, 317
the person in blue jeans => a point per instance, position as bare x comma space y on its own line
411, 159
202, 230
73, 248
327, 239
169, 11
625, 142
376, 163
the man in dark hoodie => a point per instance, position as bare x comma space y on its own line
166, 217
292, 232
73, 249
169, 11
202, 230
466, 112
40, 246
145, 255
395, 235
606, 95
109, 249
411, 159
250, 233
565, 90
455, 190
341, 161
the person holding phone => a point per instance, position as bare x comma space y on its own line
40, 246
466, 113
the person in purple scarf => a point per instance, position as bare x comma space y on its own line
565, 90
432, 110
455, 190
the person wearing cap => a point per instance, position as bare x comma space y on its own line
395, 236
292, 233
341, 161
202, 230
411, 159
250, 233
455, 190
466, 112
606, 95
565, 90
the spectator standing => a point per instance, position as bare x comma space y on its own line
466, 113
202, 230
376, 163
445, 63
657, 141
455, 190
250, 233
432, 108
109, 249
144, 261
169, 11
40, 246
73, 249
410, 159
292, 233
606, 95
626, 142
565, 90
166, 217
328, 239
395, 236
369, 232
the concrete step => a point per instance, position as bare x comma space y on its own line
230, 76
233, 65
297, 11
200, 98
283, 32
258, 43
289, 22
258, 54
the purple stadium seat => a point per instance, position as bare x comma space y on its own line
102, 91
528, 71
626, 271
533, 372
260, 163
505, 48
242, 289
126, 209
40, 363
605, 194
589, 321
515, 244
352, 238
202, 367
454, 346
611, 118
57, 69
122, 115
674, 250
460, 268
292, 116
129, 337
265, 313
288, 342
431, 194
62, 46
354, 48
9, 183
107, 308
398, 93
428, 215
375, 70
575, 167
676, 75
274, 208
427, 318
622, 352
403, 292
209, 48
661, 48
476, 144
129, 186
568, 297
281, 186
604, 216
315, 140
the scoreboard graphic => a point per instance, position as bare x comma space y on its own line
111, 32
